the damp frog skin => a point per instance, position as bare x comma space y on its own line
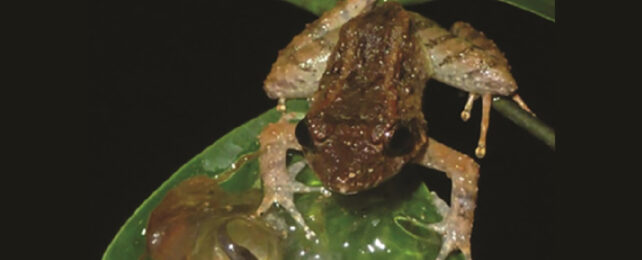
363, 68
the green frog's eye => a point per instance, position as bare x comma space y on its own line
401, 143
303, 134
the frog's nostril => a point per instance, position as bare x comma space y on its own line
302, 134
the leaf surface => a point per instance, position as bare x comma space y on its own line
388, 222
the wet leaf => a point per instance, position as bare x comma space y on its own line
543, 8
129, 242
198, 219
388, 222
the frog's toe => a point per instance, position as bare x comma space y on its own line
298, 187
441, 206
455, 233
296, 215
268, 199
465, 114
283, 196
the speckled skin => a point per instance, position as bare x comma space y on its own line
375, 67
462, 57
373, 85
299, 66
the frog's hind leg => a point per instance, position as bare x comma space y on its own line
457, 223
479, 40
279, 184
301, 64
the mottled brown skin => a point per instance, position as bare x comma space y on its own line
372, 87
365, 120
461, 57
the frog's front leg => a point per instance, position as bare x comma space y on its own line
463, 171
279, 184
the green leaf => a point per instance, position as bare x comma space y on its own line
129, 242
319, 6
388, 222
543, 8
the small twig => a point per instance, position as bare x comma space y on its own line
525, 120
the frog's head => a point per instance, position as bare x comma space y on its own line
365, 120
349, 156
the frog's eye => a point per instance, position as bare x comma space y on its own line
303, 134
401, 142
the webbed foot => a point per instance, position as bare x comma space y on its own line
279, 183
457, 224
455, 235
282, 194
455, 231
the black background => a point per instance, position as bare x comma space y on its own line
171, 78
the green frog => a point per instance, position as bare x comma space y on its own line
363, 67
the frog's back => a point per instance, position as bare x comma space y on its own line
375, 71
371, 88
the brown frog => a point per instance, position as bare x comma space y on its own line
363, 68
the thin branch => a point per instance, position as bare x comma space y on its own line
525, 120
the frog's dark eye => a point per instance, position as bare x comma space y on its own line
401, 142
303, 134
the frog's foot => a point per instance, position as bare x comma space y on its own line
282, 194
279, 183
463, 171
455, 231
480, 152
465, 114
455, 235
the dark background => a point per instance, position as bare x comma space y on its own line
168, 79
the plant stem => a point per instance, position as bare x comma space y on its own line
525, 120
